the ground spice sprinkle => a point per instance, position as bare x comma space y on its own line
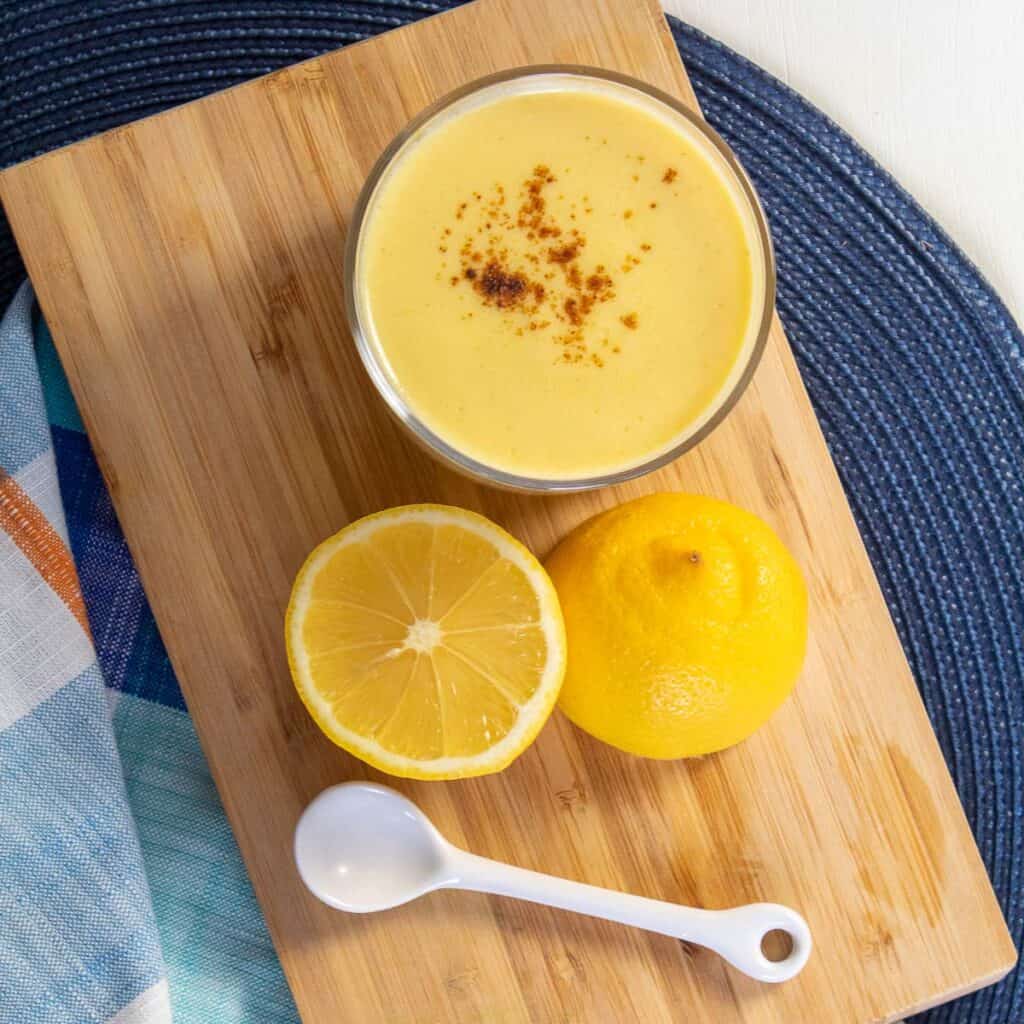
519, 257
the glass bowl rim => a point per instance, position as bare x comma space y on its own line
436, 444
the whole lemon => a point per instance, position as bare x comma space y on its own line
686, 621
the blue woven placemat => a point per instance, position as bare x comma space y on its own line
914, 366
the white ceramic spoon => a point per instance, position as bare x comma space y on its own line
362, 847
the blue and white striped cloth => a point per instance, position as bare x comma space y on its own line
123, 897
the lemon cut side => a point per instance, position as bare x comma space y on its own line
426, 641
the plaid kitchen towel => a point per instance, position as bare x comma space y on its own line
79, 938
102, 782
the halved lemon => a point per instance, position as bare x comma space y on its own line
427, 641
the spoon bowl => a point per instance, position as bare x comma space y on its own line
361, 847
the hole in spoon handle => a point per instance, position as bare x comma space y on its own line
752, 923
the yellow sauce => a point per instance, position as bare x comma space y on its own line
560, 283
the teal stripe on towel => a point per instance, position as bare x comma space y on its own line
60, 403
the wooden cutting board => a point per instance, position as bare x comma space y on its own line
190, 268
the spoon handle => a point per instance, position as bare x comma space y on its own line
734, 934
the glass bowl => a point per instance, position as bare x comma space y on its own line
537, 78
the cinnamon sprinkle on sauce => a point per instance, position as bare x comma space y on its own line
532, 266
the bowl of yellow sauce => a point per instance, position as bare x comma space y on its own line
559, 278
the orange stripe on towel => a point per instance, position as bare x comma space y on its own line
40, 543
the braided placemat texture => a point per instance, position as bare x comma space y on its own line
914, 366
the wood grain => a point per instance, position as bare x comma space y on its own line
190, 268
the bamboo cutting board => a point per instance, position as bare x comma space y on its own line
190, 268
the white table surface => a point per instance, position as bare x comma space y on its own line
933, 89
